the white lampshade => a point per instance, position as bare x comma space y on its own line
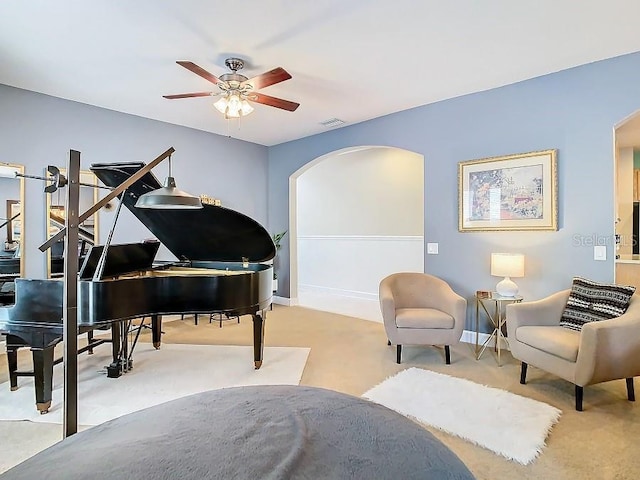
246, 108
221, 105
507, 265
233, 106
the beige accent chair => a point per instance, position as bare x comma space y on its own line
420, 309
601, 351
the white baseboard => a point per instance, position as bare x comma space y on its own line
469, 336
343, 302
281, 300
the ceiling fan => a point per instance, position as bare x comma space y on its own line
237, 91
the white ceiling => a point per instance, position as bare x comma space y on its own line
350, 59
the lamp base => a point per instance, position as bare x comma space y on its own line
507, 288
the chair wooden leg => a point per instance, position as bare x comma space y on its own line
579, 391
447, 355
523, 373
631, 395
398, 353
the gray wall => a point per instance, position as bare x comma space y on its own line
37, 130
573, 111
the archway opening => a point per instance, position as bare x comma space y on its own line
356, 215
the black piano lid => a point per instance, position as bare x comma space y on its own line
209, 234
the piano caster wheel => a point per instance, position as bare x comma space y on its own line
156, 345
258, 364
13, 389
43, 407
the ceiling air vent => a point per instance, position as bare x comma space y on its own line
332, 122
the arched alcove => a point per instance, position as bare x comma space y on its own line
356, 215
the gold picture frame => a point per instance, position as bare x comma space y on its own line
513, 192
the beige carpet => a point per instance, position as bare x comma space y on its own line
158, 376
351, 355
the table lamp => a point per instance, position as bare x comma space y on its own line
507, 265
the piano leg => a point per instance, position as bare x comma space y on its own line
115, 369
156, 330
258, 337
43, 376
90, 342
12, 360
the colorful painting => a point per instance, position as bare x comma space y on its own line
516, 192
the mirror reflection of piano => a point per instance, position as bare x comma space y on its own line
7, 285
220, 270
9, 263
9, 271
56, 256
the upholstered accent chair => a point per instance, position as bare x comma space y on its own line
420, 309
601, 351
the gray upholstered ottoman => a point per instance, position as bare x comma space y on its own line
263, 432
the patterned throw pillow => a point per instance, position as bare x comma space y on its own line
591, 301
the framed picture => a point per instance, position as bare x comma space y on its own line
14, 222
514, 192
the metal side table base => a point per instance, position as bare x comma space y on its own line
497, 319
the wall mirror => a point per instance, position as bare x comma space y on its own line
11, 229
88, 232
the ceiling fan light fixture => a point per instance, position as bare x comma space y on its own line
246, 108
235, 88
221, 105
232, 106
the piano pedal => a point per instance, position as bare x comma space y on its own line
114, 370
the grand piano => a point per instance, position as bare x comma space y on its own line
219, 269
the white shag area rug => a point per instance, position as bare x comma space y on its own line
158, 376
507, 424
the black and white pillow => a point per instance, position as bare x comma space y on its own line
591, 302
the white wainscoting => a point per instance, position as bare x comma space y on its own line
341, 273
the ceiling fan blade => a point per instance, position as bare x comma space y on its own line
273, 101
198, 71
271, 77
189, 95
